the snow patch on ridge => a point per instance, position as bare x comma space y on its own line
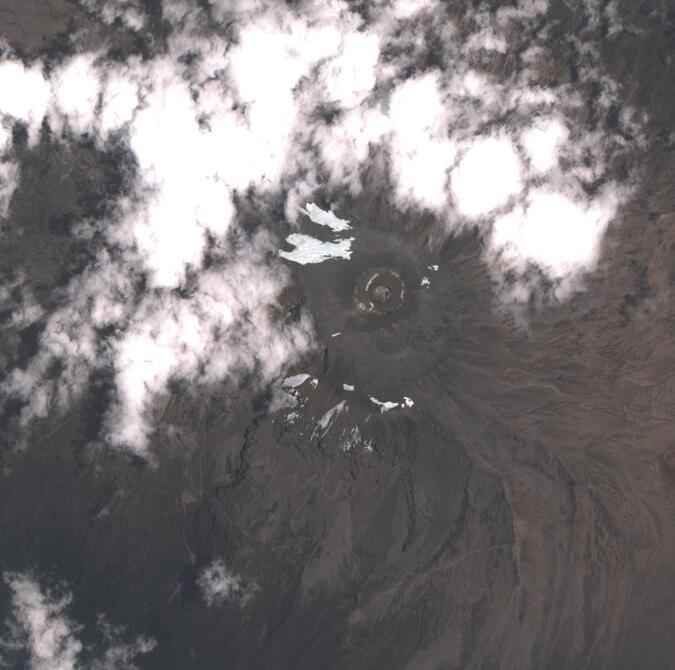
323, 218
310, 250
295, 381
387, 405
327, 419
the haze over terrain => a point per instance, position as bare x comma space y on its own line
337, 334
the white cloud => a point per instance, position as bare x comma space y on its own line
488, 35
488, 174
405, 9
129, 12
119, 99
219, 586
24, 95
615, 24
558, 234
350, 76
524, 9
163, 231
40, 625
542, 140
422, 152
18, 298
222, 329
5, 139
119, 653
9, 181
343, 148
253, 114
75, 89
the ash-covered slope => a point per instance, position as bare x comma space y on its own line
516, 514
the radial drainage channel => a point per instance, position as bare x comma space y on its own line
379, 291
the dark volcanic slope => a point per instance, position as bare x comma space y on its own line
385, 353
519, 515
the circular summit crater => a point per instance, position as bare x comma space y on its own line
379, 291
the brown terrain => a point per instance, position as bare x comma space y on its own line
520, 515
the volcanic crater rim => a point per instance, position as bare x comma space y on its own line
379, 290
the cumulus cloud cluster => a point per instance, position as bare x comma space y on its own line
295, 100
40, 627
9, 171
218, 585
128, 12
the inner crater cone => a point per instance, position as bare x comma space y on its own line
379, 291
